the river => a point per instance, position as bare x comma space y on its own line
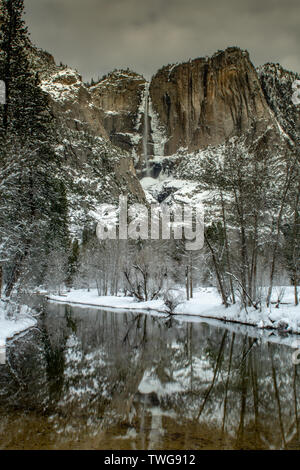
94, 379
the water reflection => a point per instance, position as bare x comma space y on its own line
109, 380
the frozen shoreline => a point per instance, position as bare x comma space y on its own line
10, 328
206, 304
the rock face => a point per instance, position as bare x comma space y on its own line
120, 96
69, 97
277, 87
206, 100
190, 106
86, 147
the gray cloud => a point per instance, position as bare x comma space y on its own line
96, 36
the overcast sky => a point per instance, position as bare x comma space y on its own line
96, 36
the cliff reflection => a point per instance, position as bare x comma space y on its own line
97, 379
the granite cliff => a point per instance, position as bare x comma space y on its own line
205, 101
187, 106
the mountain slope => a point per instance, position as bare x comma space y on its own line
277, 87
94, 170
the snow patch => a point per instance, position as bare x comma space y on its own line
11, 327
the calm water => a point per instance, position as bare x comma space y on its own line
93, 379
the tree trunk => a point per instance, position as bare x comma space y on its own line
217, 366
278, 223
187, 283
221, 287
244, 252
1, 281
227, 382
191, 277
294, 246
227, 249
15, 275
277, 397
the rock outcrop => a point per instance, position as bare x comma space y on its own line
277, 87
204, 101
190, 106
100, 170
119, 96
72, 103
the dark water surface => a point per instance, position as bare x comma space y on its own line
95, 379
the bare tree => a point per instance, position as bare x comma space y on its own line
172, 301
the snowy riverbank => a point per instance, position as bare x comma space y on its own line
206, 303
11, 327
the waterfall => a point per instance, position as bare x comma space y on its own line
146, 130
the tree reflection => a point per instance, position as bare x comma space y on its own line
100, 379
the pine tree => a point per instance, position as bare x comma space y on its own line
33, 206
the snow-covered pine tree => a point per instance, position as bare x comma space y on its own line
33, 207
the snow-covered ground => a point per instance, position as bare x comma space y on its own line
9, 328
206, 303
